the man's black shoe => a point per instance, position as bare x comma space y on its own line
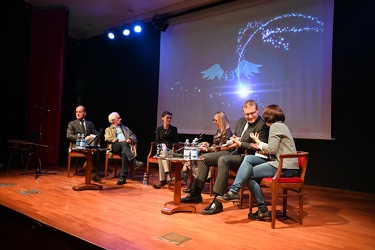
121, 181
187, 190
216, 207
258, 215
229, 197
192, 199
137, 164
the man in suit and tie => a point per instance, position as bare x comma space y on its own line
83, 126
230, 157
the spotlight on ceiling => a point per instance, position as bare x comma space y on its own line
111, 34
126, 31
137, 27
159, 23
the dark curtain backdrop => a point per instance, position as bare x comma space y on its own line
46, 70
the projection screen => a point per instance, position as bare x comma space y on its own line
275, 52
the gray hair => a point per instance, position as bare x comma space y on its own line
112, 116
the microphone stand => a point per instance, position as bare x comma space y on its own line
37, 153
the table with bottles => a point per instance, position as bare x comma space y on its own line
87, 151
170, 207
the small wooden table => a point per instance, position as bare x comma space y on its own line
175, 205
88, 185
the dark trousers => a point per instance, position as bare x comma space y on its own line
123, 149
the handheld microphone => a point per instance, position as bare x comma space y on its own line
201, 136
96, 136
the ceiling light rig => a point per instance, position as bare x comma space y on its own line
159, 23
126, 30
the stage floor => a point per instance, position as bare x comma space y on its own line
129, 217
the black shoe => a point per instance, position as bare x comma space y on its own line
229, 197
187, 190
192, 199
95, 177
160, 184
214, 208
137, 164
121, 181
184, 176
259, 215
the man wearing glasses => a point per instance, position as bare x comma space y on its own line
230, 157
121, 140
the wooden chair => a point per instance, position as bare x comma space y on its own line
109, 156
293, 184
22, 149
77, 157
74, 155
151, 159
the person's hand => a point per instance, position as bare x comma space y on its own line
255, 136
254, 145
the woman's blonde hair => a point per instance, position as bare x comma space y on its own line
222, 120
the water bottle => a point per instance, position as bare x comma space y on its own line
144, 179
78, 142
83, 141
194, 150
187, 150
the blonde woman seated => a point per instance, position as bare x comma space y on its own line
222, 135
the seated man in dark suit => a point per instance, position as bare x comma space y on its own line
121, 140
82, 126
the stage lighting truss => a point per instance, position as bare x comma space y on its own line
159, 23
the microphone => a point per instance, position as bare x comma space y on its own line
96, 136
201, 136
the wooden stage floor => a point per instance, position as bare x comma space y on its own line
46, 213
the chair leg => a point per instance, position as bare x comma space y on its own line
106, 168
147, 172
241, 198
285, 201
274, 203
300, 207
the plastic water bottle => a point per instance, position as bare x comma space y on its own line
83, 142
194, 150
187, 150
78, 142
144, 179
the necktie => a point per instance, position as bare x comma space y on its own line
83, 127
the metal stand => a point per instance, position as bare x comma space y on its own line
38, 169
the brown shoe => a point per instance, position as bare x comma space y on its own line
160, 184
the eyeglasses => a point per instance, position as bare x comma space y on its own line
214, 120
168, 117
252, 113
118, 118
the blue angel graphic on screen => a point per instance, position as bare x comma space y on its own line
244, 68
246, 78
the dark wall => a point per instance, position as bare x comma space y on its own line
122, 76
